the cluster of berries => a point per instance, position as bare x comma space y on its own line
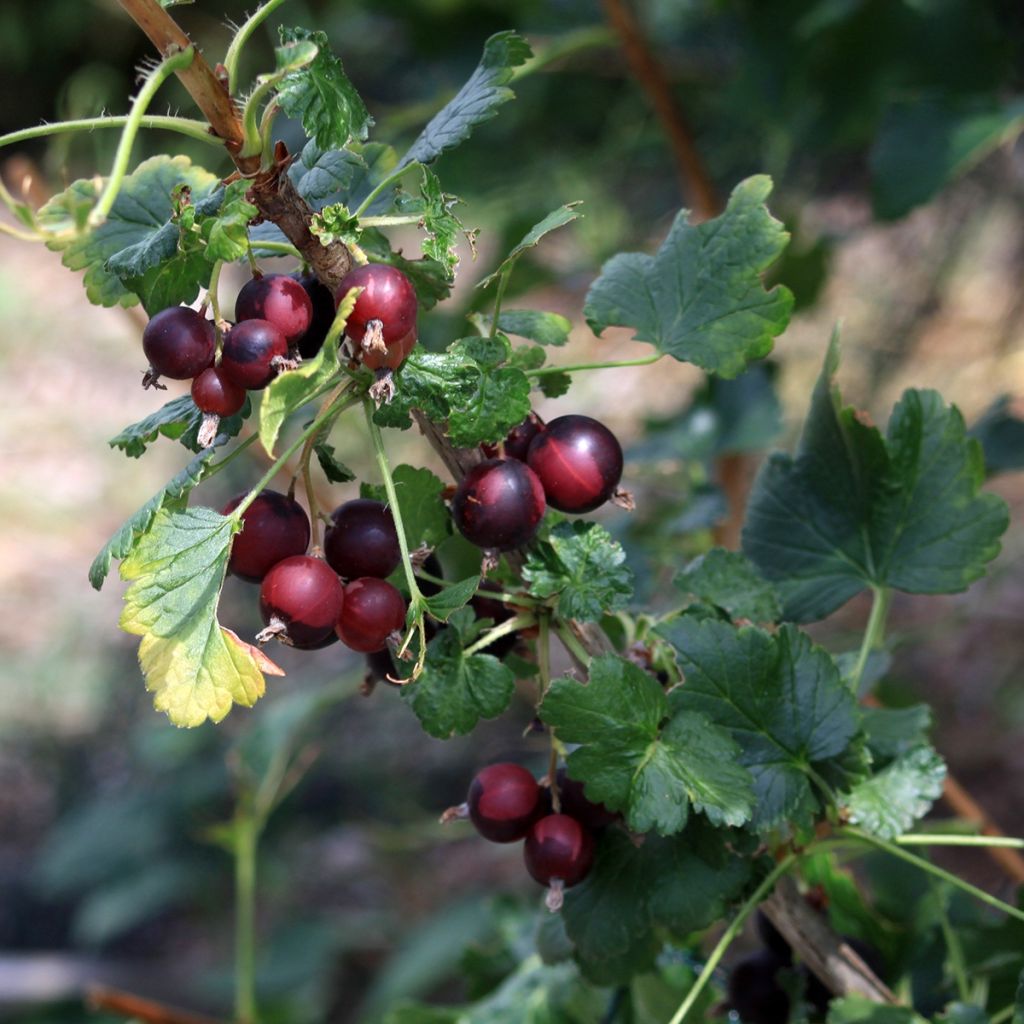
557, 823
310, 602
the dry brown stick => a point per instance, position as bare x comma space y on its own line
125, 1004
967, 807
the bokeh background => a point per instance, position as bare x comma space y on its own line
891, 128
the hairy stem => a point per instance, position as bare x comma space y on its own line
198, 130
242, 36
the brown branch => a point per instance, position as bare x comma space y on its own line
124, 1004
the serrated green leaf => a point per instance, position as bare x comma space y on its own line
429, 381
141, 211
477, 101
428, 277
455, 692
554, 385
487, 352
424, 514
196, 668
499, 401
452, 598
700, 298
335, 470
179, 420
335, 223
892, 732
543, 328
227, 231
321, 96
172, 495
783, 701
888, 804
442, 227
854, 509
858, 1010
728, 581
527, 357
555, 219
582, 565
628, 762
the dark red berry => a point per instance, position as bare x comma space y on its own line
304, 594
504, 801
396, 354
754, 991
215, 395
250, 348
322, 300
499, 504
517, 443
274, 527
362, 540
574, 802
579, 462
372, 611
489, 608
387, 296
279, 299
558, 847
179, 343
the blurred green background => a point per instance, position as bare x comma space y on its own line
892, 132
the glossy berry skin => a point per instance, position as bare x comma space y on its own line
372, 611
396, 354
575, 803
250, 348
517, 443
504, 801
558, 847
362, 540
274, 527
179, 343
306, 595
278, 299
322, 303
754, 991
387, 296
215, 395
579, 462
499, 504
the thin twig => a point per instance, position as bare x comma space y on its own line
125, 1004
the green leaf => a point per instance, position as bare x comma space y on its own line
442, 227
784, 702
554, 385
543, 328
452, 598
321, 96
924, 144
427, 381
178, 419
424, 513
1018, 1008
700, 299
499, 401
429, 278
476, 102
628, 762
455, 692
854, 509
555, 219
858, 1010
728, 581
892, 732
196, 668
335, 223
582, 565
889, 803
173, 495
226, 232
335, 471
135, 238
527, 357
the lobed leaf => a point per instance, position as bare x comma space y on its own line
420, 500
728, 581
179, 420
452, 598
889, 803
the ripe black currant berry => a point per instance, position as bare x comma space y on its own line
489, 608
558, 848
305, 596
362, 540
387, 296
499, 504
215, 395
504, 801
372, 611
179, 343
249, 353
274, 527
575, 803
579, 462
517, 443
322, 301
754, 991
279, 299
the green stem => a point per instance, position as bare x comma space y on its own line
216, 467
383, 186
285, 248
934, 869
246, 837
22, 236
729, 935
389, 221
544, 667
873, 633
198, 130
167, 67
496, 595
590, 38
242, 36
253, 139
953, 947
572, 645
1005, 1014
921, 839
579, 367
499, 298
517, 622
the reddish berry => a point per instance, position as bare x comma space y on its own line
559, 848
575, 803
504, 801
372, 611
387, 296
215, 395
579, 462
517, 444
396, 354
179, 343
279, 299
362, 541
499, 504
322, 300
274, 527
250, 348
304, 594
